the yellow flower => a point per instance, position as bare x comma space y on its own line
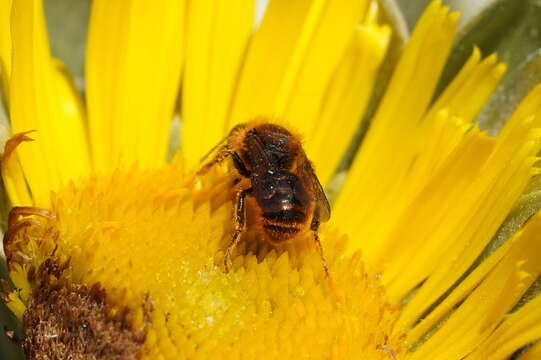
115, 253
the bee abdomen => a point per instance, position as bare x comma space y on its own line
279, 229
278, 233
283, 225
285, 216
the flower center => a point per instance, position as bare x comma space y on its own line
152, 243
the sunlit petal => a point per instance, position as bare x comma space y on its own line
347, 95
519, 329
386, 154
5, 45
218, 33
134, 58
483, 310
306, 41
12, 172
42, 99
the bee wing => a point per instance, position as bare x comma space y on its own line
213, 155
322, 203
214, 150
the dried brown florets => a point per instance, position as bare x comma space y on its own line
73, 321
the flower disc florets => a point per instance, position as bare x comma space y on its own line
140, 251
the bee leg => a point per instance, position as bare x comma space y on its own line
239, 165
314, 227
240, 218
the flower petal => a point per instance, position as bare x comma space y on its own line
485, 308
519, 329
133, 64
277, 36
12, 172
386, 154
470, 90
410, 313
533, 353
451, 116
70, 138
347, 95
42, 99
484, 30
306, 40
218, 33
328, 29
5, 46
502, 179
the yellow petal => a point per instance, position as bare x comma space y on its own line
533, 353
306, 40
386, 153
485, 308
471, 88
325, 35
276, 37
5, 46
448, 119
436, 204
24, 113
134, 58
42, 99
347, 95
478, 208
15, 304
70, 138
491, 194
12, 173
519, 329
410, 313
217, 36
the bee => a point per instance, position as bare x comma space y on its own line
279, 177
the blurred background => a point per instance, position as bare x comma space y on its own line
511, 28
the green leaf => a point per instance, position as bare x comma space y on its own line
507, 27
